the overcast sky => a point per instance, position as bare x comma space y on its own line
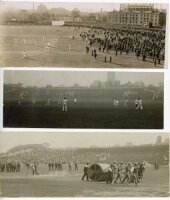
84, 7
83, 78
84, 139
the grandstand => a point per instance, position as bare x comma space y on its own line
42, 154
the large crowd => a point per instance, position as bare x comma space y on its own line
54, 160
147, 44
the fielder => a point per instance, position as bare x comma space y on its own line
69, 47
47, 48
125, 103
116, 103
64, 105
24, 54
75, 101
136, 103
139, 106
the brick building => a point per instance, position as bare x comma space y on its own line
135, 14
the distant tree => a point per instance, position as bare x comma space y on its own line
45, 16
75, 13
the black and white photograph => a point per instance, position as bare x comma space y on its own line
83, 34
84, 164
83, 99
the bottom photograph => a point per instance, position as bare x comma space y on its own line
85, 164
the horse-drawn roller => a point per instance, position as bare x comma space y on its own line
98, 172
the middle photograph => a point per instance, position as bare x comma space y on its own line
83, 99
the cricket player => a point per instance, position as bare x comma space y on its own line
34, 169
69, 47
136, 103
19, 102
47, 48
75, 101
64, 104
24, 54
125, 102
139, 104
116, 103
76, 166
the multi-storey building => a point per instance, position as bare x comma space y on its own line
135, 15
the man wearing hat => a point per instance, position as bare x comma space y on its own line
86, 166
127, 172
118, 173
110, 174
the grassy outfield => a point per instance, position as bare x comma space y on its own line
33, 39
85, 115
69, 184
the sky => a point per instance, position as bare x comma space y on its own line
69, 78
84, 7
70, 139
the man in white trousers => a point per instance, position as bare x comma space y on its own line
64, 105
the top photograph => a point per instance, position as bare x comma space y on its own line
83, 35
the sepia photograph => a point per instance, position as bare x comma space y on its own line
83, 34
84, 164
83, 99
